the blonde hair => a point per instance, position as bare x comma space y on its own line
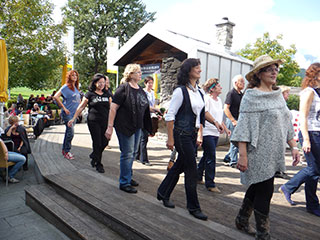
13, 119
130, 68
209, 83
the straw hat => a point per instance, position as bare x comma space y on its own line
261, 62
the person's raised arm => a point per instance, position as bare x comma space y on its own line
227, 112
59, 102
79, 110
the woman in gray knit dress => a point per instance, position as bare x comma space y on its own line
262, 133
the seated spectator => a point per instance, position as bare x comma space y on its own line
48, 111
37, 99
20, 101
49, 99
19, 136
31, 101
17, 158
13, 111
36, 109
42, 99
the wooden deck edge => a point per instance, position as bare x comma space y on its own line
126, 231
49, 215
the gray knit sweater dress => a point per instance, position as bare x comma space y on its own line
264, 124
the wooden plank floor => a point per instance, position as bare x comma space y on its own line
102, 189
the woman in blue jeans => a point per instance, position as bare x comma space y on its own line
71, 100
309, 137
17, 158
129, 113
211, 133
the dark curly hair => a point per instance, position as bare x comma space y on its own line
310, 78
187, 65
255, 82
92, 86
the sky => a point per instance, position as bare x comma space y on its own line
298, 21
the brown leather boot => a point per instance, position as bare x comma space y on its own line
262, 225
242, 220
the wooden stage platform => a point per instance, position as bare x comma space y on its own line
85, 204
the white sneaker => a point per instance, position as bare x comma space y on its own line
69, 156
13, 180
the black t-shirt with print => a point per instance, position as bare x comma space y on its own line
98, 106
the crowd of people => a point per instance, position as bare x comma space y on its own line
257, 120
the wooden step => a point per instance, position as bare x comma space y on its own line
133, 216
69, 219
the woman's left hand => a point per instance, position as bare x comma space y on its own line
295, 157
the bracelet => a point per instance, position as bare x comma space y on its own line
110, 126
294, 148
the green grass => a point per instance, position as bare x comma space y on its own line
26, 92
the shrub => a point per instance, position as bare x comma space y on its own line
293, 102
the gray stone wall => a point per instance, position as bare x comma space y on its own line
169, 72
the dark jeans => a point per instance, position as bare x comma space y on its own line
260, 194
69, 133
185, 144
310, 174
142, 154
208, 160
99, 141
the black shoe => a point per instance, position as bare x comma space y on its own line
100, 168
134, 183
226, 160
233, 165
166, 203
128, 189
93, 163
147, 163
281, 175
198, 214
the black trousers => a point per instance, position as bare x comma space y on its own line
186, 162
99, 141
260, 194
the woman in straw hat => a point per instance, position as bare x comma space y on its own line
309, 137
262, 133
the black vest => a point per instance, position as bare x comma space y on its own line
185, 119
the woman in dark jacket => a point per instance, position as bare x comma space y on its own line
185, 116
19, 136
129, 113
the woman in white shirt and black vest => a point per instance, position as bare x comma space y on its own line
184, 118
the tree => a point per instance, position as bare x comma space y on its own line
34, 46
94, 21
288, 73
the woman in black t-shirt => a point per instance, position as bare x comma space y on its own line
98, 100
129, 113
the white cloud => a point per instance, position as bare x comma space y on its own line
197, 18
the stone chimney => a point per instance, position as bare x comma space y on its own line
225, 33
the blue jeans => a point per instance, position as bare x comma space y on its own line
186, 162
17, 158
69, 133
310, 174
208, 160
128, 148
233, 150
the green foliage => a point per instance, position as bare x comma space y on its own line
288, 73
293, 102
26, 92
33, 42
94, 21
